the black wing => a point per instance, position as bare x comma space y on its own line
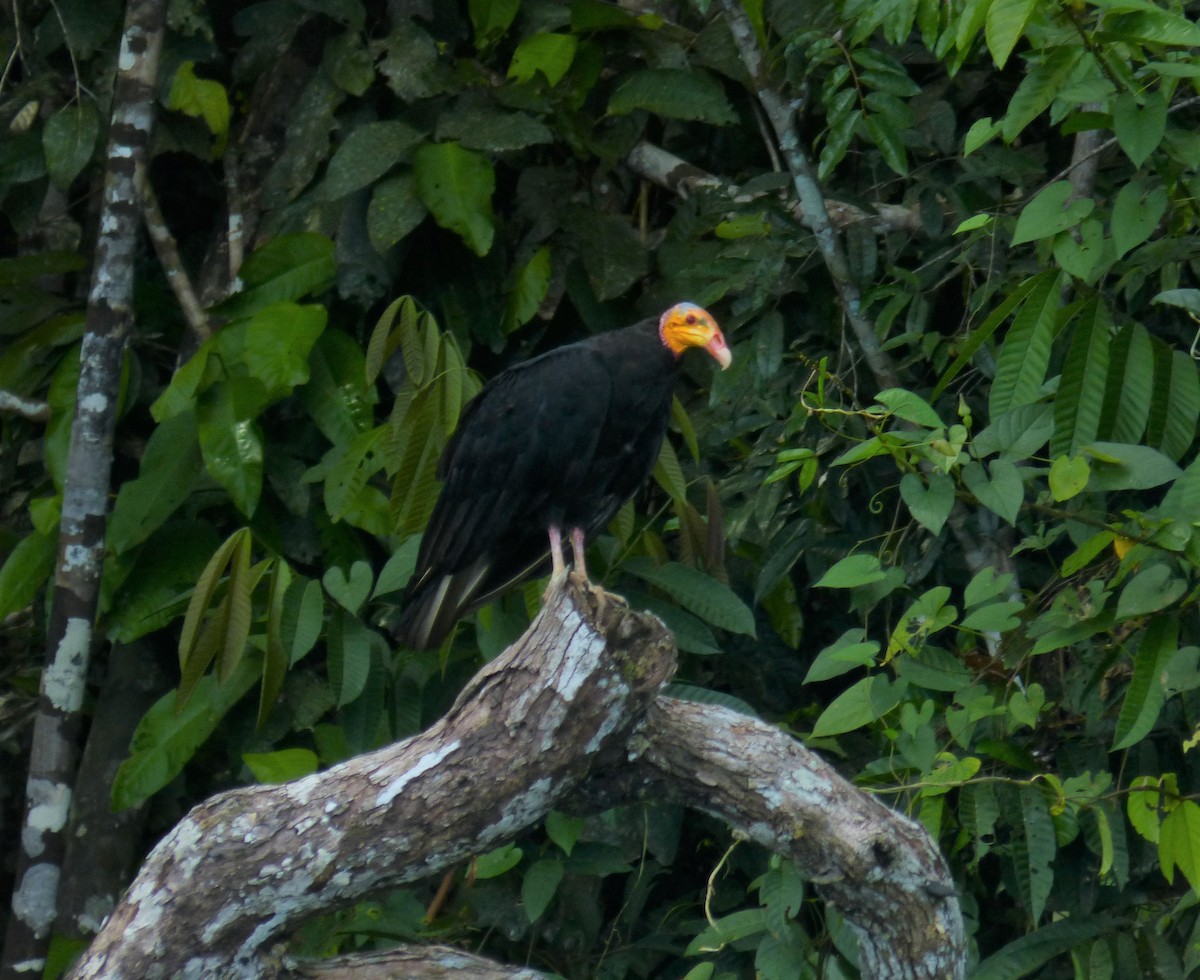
522, 443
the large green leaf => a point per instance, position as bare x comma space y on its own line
166, 477
1144, 696
674, 93
1175, 406
867, 700
231, 442
165, 740
1023, 956
1129, 387
1053, 209
368, 153
698, 593
1006, 20
456, 185
1136, 213
547, 54
1080, 399
1138, 127
1179, 843
285, 269
1033, 851
26, 569
1042, 84
394, 211
1025, 354
69, 139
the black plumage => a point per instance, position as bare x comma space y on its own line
555, 444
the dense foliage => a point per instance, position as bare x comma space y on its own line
971, 578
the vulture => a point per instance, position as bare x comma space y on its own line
551, 447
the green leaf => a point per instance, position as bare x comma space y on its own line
1052, 210
349, 643
929, 505
418, 441
1175, 406
1080, 399
538, 886
497, 862
481, 124
370, 151
675, 93
698, 593
394, 211
202, 98
1139, 128
492, 18
986, 585
728, 929
1150, 590
276, 660
1025, 354
68, 141
1033, 851
166, 477
1136, 213
611, 249
399, 568
984, 331
1116, 466
1129, 389
982, 132
868, 700
564, 830
231, 441
909, 406
1006, 20
887, 140
237, 613
303, 618
360, 461
456, 185
849, 651
282, 766
26, 570
852, 571
1002, 493
1024, 956
549, 54
1085, 257
1179, 843
349, 593
1042, 84
533, 281
286, 269
165, 740
1144, 696
1068, 476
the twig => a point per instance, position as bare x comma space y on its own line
781, 114
168, 256
26, 409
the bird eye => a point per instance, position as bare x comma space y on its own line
691, 318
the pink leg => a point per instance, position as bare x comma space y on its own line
577, 551
558, 565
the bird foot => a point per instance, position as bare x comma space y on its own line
557, 581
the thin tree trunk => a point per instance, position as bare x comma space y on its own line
56, 732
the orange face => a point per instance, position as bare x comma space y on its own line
687, 325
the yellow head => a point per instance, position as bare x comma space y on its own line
687, 325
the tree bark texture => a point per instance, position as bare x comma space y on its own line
55, 751
568, 716
245, 867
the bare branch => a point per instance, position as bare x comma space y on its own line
675, 174
16, 405
172, 263
781, 113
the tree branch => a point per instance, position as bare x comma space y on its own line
244, 868
781, 113
880, 869
554, 720
677, 175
